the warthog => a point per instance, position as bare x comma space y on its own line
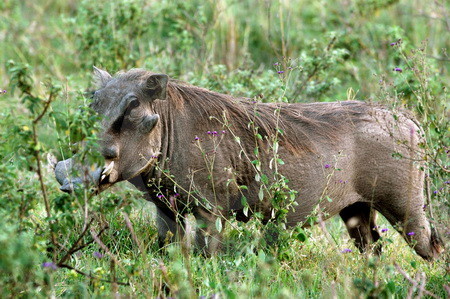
191, 149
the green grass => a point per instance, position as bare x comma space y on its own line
327, 50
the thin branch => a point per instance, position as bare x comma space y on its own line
93, 277
438, 58
75, 246
133, 234
102, 245
46, 106
413, 282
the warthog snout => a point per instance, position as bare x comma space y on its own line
71, 177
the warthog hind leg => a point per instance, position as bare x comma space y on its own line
359, 219
411, 222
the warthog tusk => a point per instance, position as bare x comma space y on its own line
107, 170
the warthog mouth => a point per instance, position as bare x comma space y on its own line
72, 175
108, 176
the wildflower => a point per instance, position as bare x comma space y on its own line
160, 196
397, 69
223, 132
435, 191
346, 250
50, 265
196, 138
392, 44
280, 72
4, 90
97, 254
214, 133
327, 166
209, 132
411, 233
276, 64
384, 230
176, 195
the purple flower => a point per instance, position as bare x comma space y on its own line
209, 132
327, 166
176, 195
393, 44
280, 72
223, 132
50, 265
411, 233
384, 230
196, 138
346, 250
435, 191
4, 90
397, 69
276, 64
98, 254
160, 196
214, 132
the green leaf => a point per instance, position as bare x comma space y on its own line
245, 211
257, 177
264, 179
244, 201
261, 193
275, 147
301, 236
219, 225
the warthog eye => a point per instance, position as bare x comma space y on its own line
134, 104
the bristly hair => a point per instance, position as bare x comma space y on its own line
298, 126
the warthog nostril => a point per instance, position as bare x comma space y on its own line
110, 152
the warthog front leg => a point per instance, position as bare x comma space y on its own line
168, 228
208, 238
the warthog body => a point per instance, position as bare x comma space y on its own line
190, 149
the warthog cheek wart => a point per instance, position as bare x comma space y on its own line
149, 123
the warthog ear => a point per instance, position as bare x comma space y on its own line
156, 86
101, 77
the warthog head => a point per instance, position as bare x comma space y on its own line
130, 139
